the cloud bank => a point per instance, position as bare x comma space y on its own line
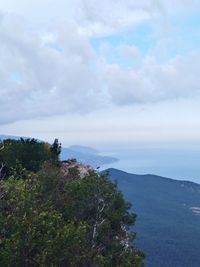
54, 69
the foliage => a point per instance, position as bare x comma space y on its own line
55, 149
55, 217
49, 219
20, 156
32, 233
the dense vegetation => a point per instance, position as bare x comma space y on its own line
20, 156
55, 218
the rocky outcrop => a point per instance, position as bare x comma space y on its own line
72, 165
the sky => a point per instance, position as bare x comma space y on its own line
101, 73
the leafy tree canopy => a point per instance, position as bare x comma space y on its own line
55, 150
26, 154
56, 218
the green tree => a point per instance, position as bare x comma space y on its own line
57, 218
98, 202
55, 150
32, 232
19, 156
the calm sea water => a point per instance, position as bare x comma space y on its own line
182, 164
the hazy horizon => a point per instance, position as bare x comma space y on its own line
111, 74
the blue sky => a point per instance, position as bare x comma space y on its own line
139, 36
182, 33
101, 73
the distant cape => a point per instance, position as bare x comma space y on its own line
83, 154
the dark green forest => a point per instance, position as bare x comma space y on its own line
51, 215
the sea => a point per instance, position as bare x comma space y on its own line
180, 164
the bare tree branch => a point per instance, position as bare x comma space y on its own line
99, 217
1, 148
2, 164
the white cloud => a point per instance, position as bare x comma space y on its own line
108, 16
153, 82
53, 69
94, 16
54, 76
129, 52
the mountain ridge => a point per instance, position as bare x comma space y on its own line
168, 220
153, 175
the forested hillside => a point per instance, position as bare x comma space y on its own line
168, 218
55, 213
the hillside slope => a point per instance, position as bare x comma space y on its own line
168, 222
